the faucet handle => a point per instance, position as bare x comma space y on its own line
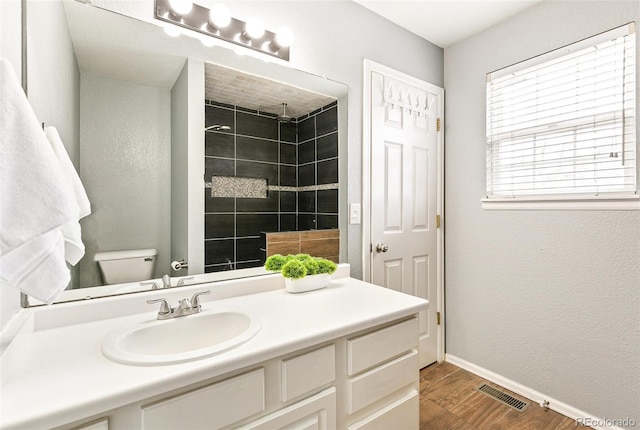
165, 308
155, 284
182, 281
195, 299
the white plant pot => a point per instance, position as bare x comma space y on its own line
308, 283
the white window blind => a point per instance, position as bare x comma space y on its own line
563, 124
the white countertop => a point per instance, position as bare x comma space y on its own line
57, 374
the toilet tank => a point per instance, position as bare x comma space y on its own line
118, 267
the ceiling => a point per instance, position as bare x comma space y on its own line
229, 86
445, 22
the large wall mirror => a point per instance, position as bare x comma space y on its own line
161, 127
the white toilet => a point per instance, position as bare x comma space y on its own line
119, 267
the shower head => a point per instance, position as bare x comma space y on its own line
218, 127
284, 117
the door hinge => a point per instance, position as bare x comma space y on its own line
438, 221
438, 318
438, 124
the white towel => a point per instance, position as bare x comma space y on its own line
34, 201
73, 246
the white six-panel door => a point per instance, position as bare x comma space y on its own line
404, 197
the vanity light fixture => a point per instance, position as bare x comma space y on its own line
218, 23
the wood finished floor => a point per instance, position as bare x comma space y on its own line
449, 401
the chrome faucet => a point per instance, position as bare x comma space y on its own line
166, 283
184, 308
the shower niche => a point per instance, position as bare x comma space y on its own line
270, 165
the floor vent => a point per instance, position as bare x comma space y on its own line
503, 397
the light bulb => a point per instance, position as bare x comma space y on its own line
181, 7
219, 16
284, 37
254, 28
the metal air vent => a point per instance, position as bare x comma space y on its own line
503, 397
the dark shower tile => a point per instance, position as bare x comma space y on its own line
218, 251
327, 146
288, 176
288, 132
219, 144
307, 152
219, 116
254, 169
270, 204
248, 148
248, 249
328, 172
243, 109
288, 222
253, 224
327, 121
218, 268
328, 201
218, 167
288, 153
307, 201
250, 264
306, 222
288, 201
307, 175
220, 104
219, 226
306, 129
330, 105
327, 222
256, 126
218, 204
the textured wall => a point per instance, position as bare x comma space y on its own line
125, 166
550, 299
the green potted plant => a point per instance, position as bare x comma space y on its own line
302, 272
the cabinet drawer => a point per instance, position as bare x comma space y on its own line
381, 381
371, 349
307, 372
314, 413
401, 414
212, 407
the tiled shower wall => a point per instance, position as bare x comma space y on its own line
299, 161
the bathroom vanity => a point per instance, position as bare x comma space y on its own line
341, 357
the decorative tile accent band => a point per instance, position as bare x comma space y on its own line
260, 183
235, 186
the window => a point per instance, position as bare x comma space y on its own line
561, 126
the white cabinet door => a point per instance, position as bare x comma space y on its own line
314, 413
212, 407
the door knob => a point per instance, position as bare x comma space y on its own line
382, 247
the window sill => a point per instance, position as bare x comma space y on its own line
601, 204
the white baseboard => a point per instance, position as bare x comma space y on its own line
531, 394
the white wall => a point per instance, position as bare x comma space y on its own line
125, 166
550, 299
187, 168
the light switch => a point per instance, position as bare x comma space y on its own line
354, 213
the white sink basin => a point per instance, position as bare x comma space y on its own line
180, 339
